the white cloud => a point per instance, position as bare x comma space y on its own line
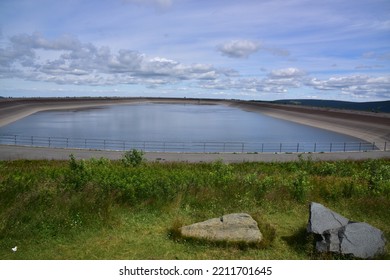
75, 62
284, 80
245, 48
68, 61
357, 85
239, 48
287, 73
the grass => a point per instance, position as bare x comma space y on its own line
129, 209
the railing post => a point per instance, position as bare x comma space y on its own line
67, 142
280, 148
331, 147
242, 148
262, 147
204, 147
15, 139
297, 147
315, 146
49, 143
32, 140
360, 146
344, 146
373, 145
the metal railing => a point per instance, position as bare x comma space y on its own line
197, 147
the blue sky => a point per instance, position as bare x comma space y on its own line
247, 49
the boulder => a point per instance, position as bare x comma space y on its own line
340, 235
361, 240
322, 219
237, 227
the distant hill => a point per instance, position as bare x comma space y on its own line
376, 106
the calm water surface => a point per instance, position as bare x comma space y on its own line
169, 122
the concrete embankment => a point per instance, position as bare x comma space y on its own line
368, 126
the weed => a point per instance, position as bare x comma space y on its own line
378, 176
267, 230
305, 164
326, 168
266, 184
300, 186
221, 173
79, 173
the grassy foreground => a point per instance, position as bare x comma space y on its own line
101, 209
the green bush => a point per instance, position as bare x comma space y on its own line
133, 158
300, 186
377, 175
78, 175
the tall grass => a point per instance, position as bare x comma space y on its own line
66, 202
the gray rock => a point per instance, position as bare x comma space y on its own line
361, 240
322, 219
238, 227
330, 241
340, 235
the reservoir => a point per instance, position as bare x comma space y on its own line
171, 127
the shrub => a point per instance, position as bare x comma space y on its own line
221, 174
300, 186
78, 174
133, 158
377, 175
326, 168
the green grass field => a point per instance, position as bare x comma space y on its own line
128, 209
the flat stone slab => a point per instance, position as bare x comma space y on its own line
237, 227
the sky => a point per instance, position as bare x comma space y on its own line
246, 49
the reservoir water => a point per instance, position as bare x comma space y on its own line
168, 123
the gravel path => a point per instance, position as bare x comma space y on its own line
34, 153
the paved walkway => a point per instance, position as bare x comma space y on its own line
33, 153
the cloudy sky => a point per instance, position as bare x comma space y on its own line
246, 49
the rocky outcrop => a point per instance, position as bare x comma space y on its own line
340, 235
237, 227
